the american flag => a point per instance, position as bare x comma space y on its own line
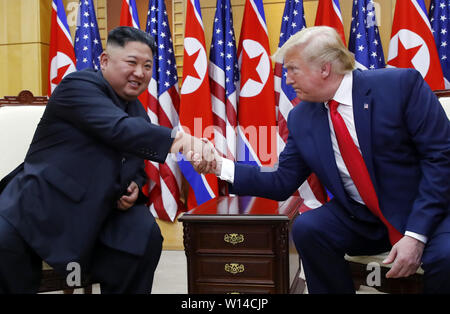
224, 77
88, 44
292, 21
162, 107
61, 58
329, 14
439, 18
364, 39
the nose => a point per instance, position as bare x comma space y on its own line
139, 71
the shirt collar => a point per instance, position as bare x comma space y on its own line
343, 94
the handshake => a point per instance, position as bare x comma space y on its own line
199, 151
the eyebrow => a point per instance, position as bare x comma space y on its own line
290, 65
134, 57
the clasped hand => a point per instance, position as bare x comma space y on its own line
199, 151
127, 200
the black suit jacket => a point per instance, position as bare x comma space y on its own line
84, 153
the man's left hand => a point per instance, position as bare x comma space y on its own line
406, 255
128, 200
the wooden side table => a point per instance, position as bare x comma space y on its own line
242, 245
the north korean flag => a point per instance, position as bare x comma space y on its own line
62, 59
257, 134
329, 14
412, 42
129, 14
195, 105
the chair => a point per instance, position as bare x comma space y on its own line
19, 117
360, 265
444, 98
364, 268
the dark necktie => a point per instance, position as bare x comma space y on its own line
358, 170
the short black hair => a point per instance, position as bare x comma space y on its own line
122, 35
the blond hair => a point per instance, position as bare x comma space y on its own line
320, 44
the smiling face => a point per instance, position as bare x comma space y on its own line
127, 69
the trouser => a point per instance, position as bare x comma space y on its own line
324, 235
20, 267
122, 272
116, 271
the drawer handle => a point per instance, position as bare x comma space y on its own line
233, 238
234, 268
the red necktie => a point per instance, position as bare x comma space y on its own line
358, 170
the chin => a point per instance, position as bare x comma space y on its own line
127, 97
133, 95
301, 96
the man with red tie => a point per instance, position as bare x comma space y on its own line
380, 142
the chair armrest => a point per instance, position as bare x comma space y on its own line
366, 259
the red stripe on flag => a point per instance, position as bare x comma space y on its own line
231, 113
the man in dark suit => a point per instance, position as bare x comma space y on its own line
76, 197
380, 142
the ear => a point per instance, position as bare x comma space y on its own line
325, 70
104, 58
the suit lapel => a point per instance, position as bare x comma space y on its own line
362, 113
325, 150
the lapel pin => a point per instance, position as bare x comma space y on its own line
366, 106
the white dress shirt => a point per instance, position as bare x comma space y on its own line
343, 96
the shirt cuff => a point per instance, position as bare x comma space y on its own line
417, 236
227, 171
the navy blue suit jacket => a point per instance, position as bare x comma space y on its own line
88, 146
404, 135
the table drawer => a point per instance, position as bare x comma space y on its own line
233, 289
234, 238
235, 269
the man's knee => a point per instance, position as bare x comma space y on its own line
305, 229
156, 236
155, 241
436, 264
442, 260
8, 236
